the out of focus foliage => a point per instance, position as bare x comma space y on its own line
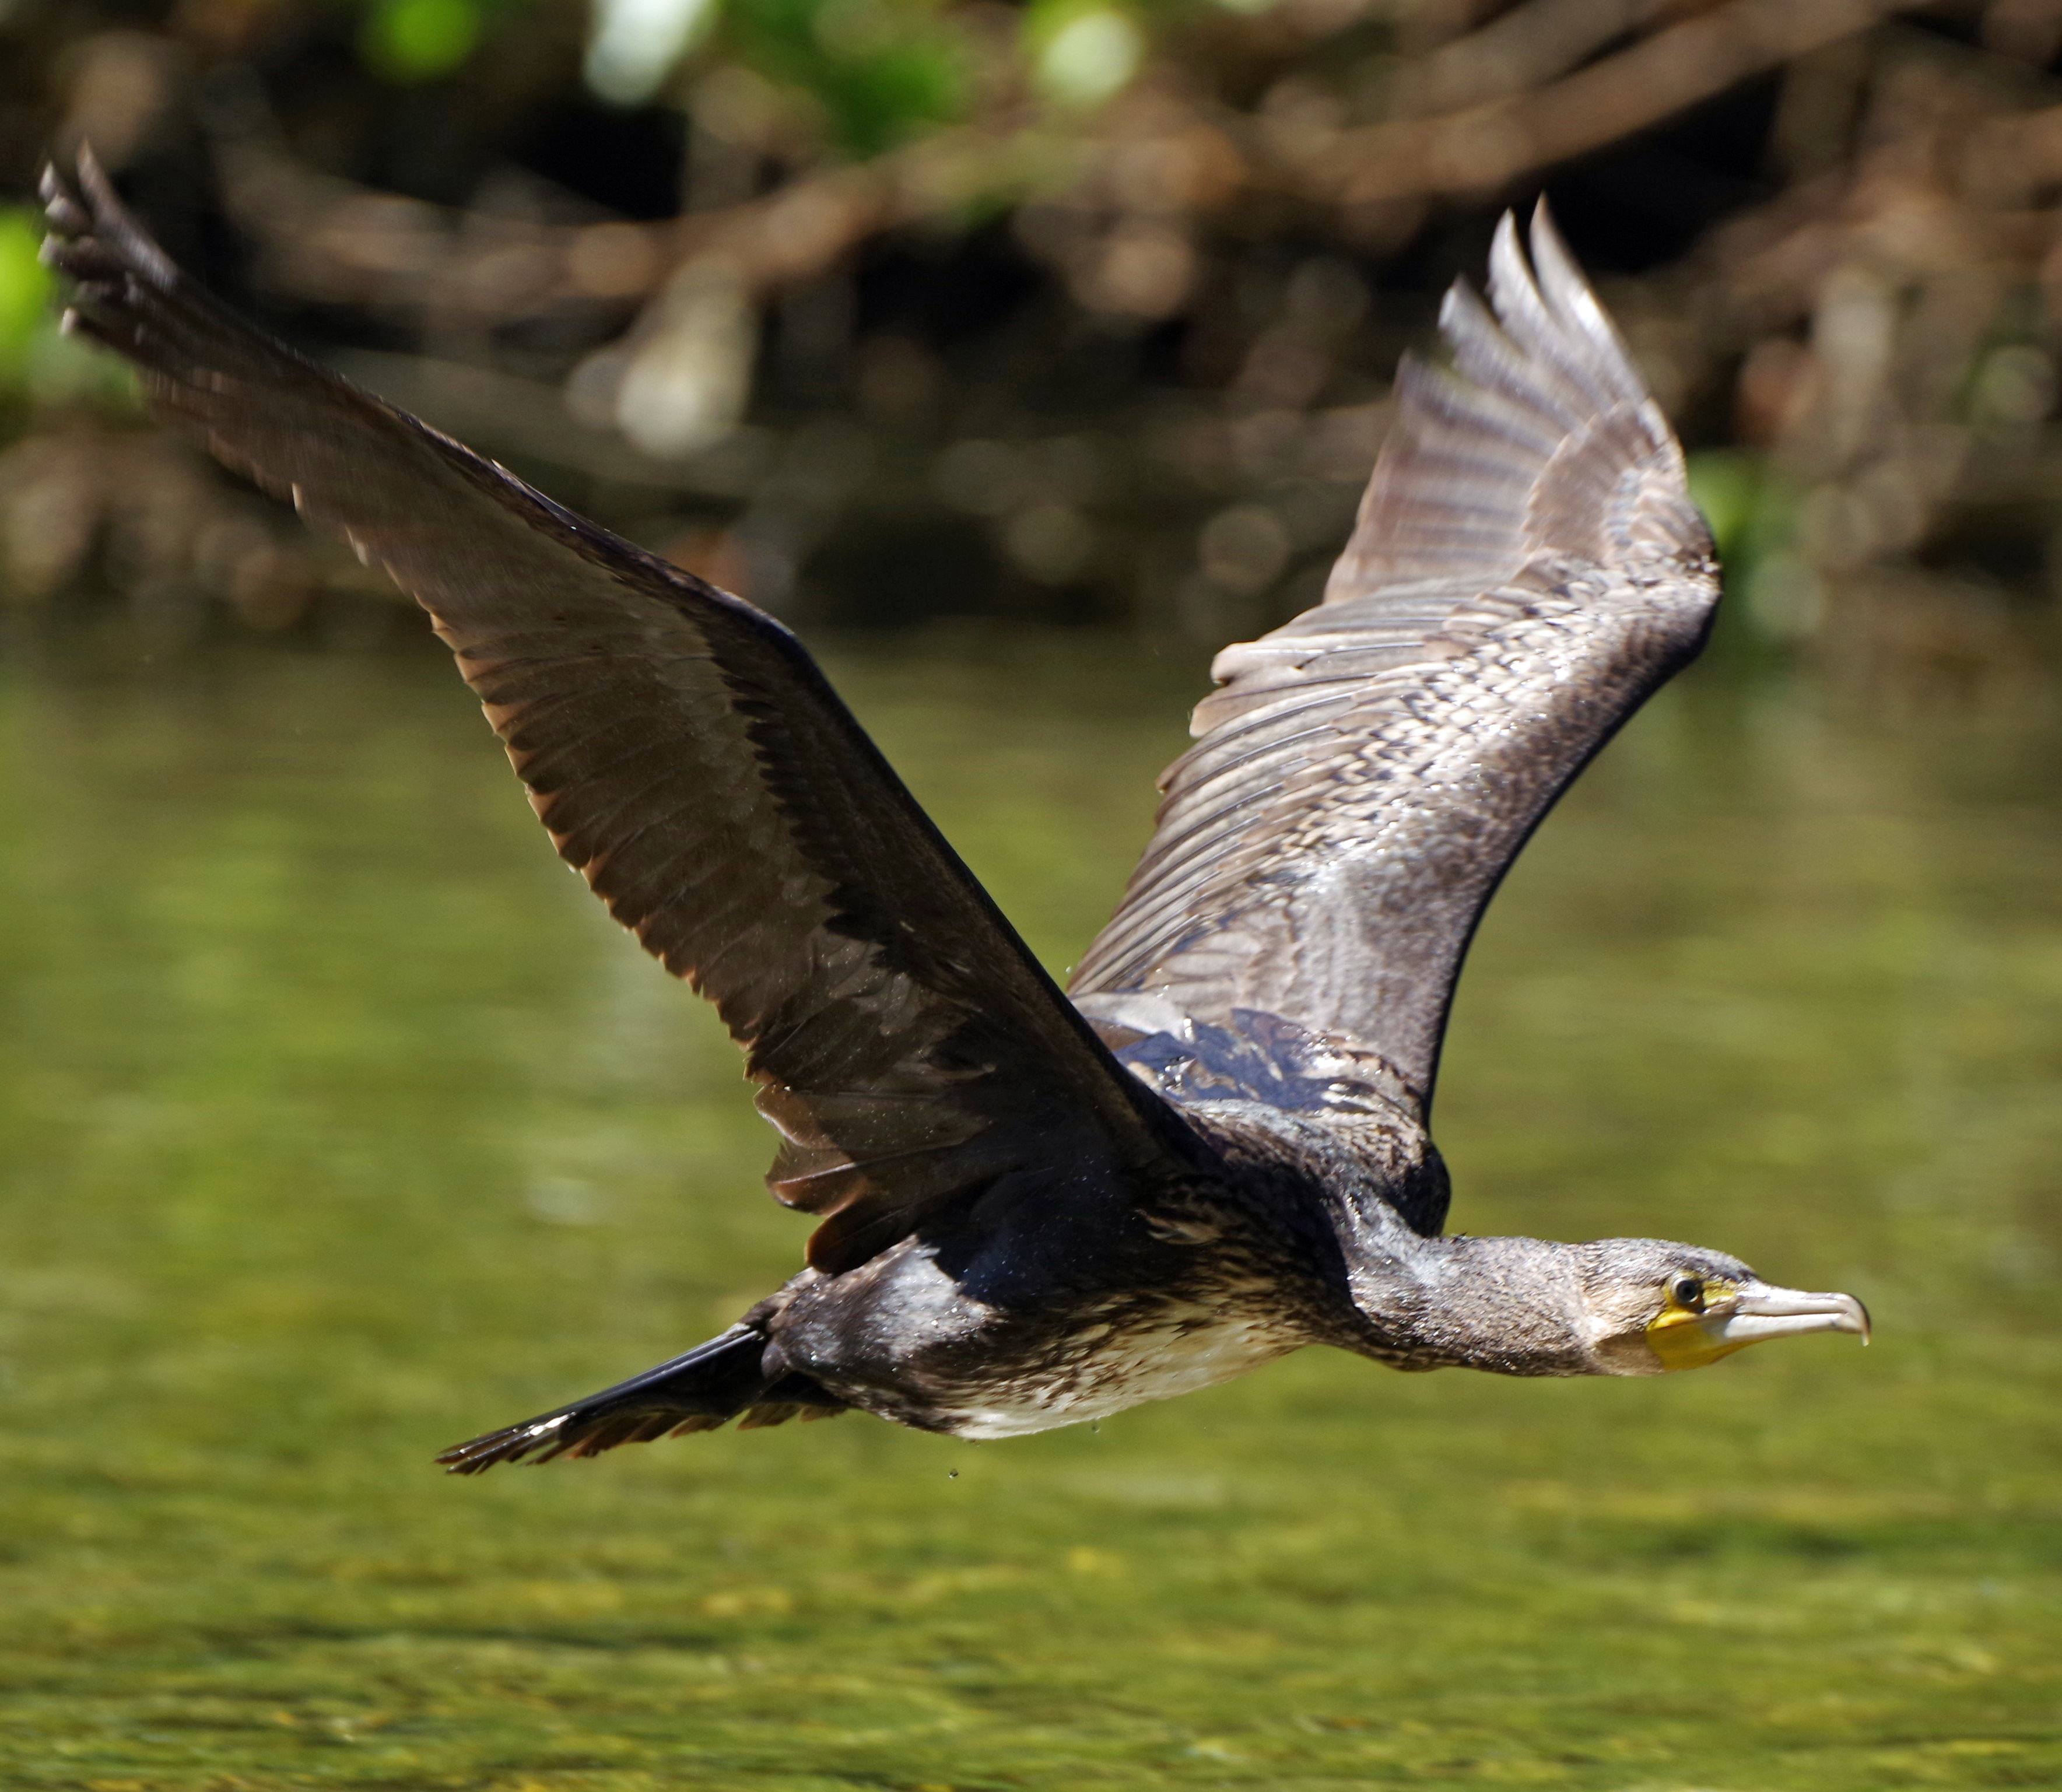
896, 308
23, 287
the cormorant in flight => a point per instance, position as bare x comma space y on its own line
1039, 1207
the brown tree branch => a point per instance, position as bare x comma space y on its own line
1488, 146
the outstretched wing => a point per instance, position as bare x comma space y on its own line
1526, 569
688, 758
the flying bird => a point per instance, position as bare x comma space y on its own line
1038, 1207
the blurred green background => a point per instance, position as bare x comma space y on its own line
1021, 356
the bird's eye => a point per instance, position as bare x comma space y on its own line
1687, 1291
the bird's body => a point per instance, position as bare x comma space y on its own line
1050, 1304
1038, 1210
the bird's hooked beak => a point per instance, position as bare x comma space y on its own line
1728, 1318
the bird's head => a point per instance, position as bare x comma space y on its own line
1653, 1306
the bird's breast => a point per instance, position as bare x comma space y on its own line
909, 1340
1103, 1364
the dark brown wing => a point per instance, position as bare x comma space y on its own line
1526, 569
689, 759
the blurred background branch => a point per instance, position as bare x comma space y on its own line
891, 309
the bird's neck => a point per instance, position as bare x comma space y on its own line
1514, 1306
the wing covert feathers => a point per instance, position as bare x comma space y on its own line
688, 758
1527, 568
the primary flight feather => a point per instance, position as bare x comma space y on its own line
1037, 1210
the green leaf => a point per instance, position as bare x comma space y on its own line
25, 289
880, 70
407, 41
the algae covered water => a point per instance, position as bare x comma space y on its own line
338, 1123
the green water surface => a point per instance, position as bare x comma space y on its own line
337, 1123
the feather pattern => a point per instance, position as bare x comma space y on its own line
690, 760
1526, 570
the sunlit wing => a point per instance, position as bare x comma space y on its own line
688, 758
1527, 567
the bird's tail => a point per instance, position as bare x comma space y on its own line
714, 1382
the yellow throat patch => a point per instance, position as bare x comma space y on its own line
1684, 1336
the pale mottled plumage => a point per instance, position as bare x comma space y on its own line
1035, 1211
1527, 567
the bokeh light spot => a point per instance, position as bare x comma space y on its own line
1090, 58
637, 43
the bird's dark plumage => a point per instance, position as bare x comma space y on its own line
1030, 1217
688, 758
